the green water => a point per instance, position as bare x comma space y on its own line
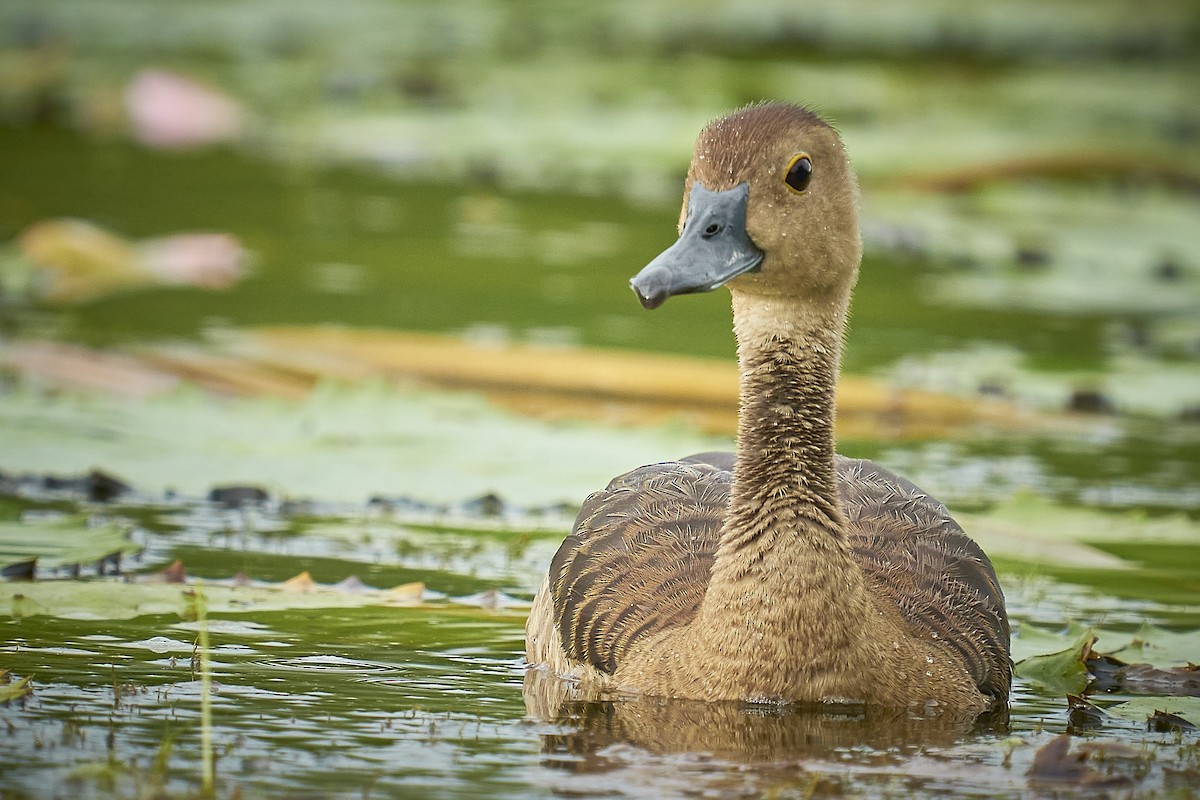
498, 171
401, 260
427, 701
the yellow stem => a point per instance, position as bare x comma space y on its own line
207, 771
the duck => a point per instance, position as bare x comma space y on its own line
783, 572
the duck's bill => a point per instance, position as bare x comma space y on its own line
713, 249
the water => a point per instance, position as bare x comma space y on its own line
428, 700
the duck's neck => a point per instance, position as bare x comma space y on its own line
784, 551
785, 488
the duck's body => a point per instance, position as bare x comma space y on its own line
797, 575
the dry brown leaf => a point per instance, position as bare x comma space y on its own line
225, 375
627, 386
407, 592
1051, 165
554, 383
302, 583
173, 574
11, 691
351, 583
73, 367
81, 259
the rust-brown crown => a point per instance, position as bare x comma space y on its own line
810, 237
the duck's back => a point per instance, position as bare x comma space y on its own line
639, 557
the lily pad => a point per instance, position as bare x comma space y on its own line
104, 599
57, 542
1149, 644
1141, 709
1030, 526
1063, 670
1154, 645
399, 440
1150, 661
1030, 641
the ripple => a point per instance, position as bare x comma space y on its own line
55, 650
160, 644
326, 664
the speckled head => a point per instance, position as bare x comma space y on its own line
770, 208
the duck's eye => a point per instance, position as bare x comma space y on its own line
799, 172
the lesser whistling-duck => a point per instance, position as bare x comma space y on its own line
785, 572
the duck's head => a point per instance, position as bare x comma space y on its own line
770, 208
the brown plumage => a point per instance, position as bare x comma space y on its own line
786, 573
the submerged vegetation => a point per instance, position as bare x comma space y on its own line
298, 395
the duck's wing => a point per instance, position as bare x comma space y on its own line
913, 552
638, 559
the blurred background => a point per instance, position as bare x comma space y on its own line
179, 180
333, 297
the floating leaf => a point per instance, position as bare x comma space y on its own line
81, 259
105, 599
70, 365
1082, 715
78, 260
301, 583
1088, 663
1062, 671
1110, 674
1034, 514
407, 591
62, 542
490, 598
351, 583
399, 438
1157, 646
1030, 640
173, 574
1141, 709
11, 691
579, 382
1163, 722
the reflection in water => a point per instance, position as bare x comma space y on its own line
589, 730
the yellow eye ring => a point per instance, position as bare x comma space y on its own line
799, 172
